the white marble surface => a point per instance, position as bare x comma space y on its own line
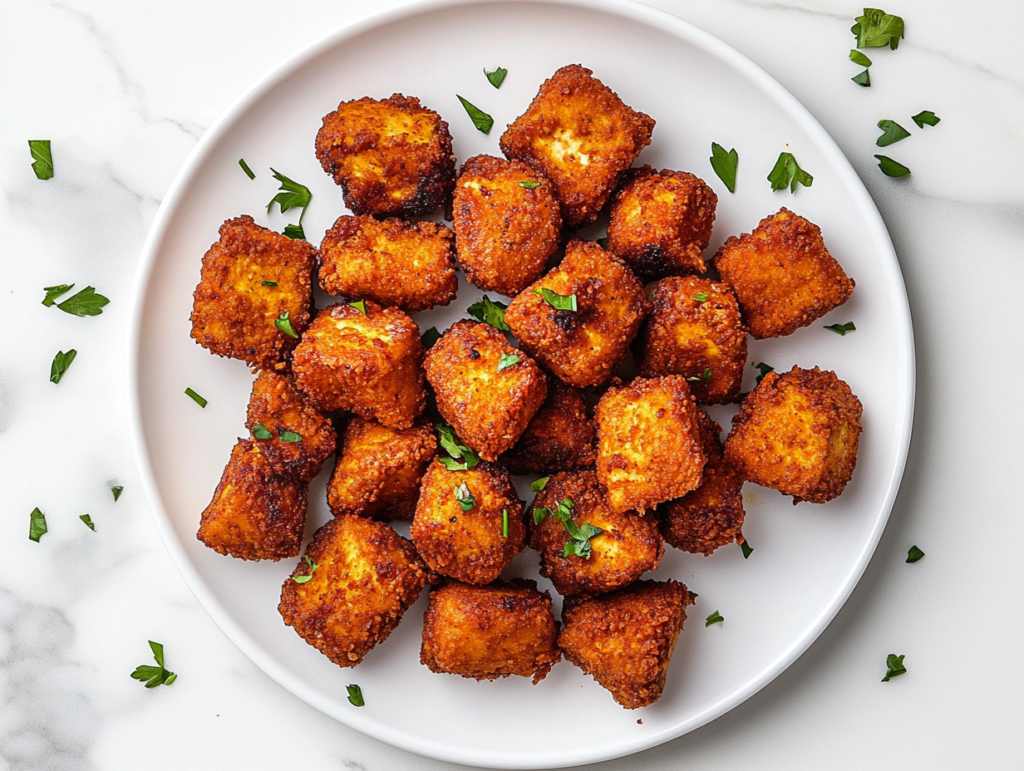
125, 89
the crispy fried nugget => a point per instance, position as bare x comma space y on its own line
506, 223
648, 443
628, 546
712, 515
370, 363
485, 388
696, 331
783, 275
487, 632
797, 433
560, 437
233, 310
391, 157
625, 639
585, 346
469, 545
661, 222
379, 469
409, 265
365, 577
276, 405
582, 136
255, 514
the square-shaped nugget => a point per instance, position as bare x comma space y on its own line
582, 136
797, 433
560, 437
648, 443
250, 278
783, 275
367, 361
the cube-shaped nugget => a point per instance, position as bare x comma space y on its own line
255, 514
369, 362
579, 319
350, 590
648, 443
485, 388
468, 524
487, 632
797, 433
379, 469
251, 278
294, 437
661, 222
578, 561
625, 640
561, 436
696, 331
391, 157
582, 136
408, 265
783, 275
506, 223
712, 515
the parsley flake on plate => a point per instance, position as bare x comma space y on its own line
245, 167
764, 369
430, 337
158, 675
892, 168
842, 329
292, 195
496, 77
925, 118
489, 312
53, 292
557, 301
117, 490
481, 120
42, 160
787, 173
894, 666
88, 522
36, 525
294, 232
83, 303
60, 364
747, 548
914, 554
714, 618
355, 695
725, 164
306, 577
196, 397
862, 79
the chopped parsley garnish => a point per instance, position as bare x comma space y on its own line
294, 231
496, 77
747, 548
290, 437
292, 196
914, 554
430, 337
892, 132
557, 301
877, 28
245, 167
462, 458
464, 497
268, 283
725, 164
355, 695
701, 297
83, 303
842, 329
858, 58
508, 360
36, 525
504, 523
540, 513
539, 484
894, 666
714, 618
305, 578
862, 79
158, 675
489, 312
284, 323
196, 397
117, 490
42, 160
764, 369
53, 292
261, 432
892, 168
704, 378
578, 544
88, 521
926, 118
529, 185
787, 173
360, 305
60, 365
481, 120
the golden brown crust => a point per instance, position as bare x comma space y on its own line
686, 336
648, 443
627, 548
783, 275
487, 632
582, 136
489, 409
379, 469
625, 639
797, 433
391, 157
366, 577
408, 265
505, 232
255, 514
661, 222
233, 313
370, 364
468, 545
584, 347
560, 437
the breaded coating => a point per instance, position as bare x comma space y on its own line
468, 545
695, 330
628, 546
712, 515
369, 363
797, 433
408, 265
783, 275
391, 157
561, 436
487, 632
582, 347
379, 469
485, 388
580, 134
234, 310
648, 443
506, 221
276, 405
365, 577
255, 513
661, 222
625, 639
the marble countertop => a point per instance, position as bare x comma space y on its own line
125, 89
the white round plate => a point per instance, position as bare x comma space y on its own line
806, 559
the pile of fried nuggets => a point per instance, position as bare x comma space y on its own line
645, 466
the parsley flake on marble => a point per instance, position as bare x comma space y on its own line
462, 458
892, 132
914, 554
892, 168
158, 675
196, 397
508, 360
842, 329
557, 301
490, 312
858, 58
481, 120
88, 522
42, 160
117, 490
876, 28
925, 118
725, 164
306, 577
862, 79
464, 497
60, 364
284, 323
714, 618
355, 695
36, 525
747, 548
84, 303
245, 167
539, 484
787, 173
53, 292
496, 77
894, 666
